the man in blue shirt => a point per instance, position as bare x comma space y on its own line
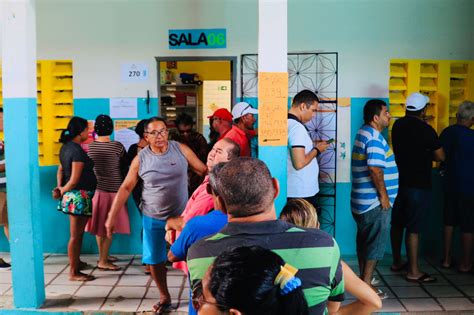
200, 226
374, 188
458, 144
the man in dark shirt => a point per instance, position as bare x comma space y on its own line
196, 141
416, 146
458, 143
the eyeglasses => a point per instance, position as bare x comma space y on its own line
155, 133
200, 301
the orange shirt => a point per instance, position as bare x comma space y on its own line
239, 136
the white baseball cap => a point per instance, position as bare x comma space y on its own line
241, 109
416, 101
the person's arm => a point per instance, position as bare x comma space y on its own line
367, 300
76, 173
175, 223
122, 195
179, 249
197, 166
172, 258
375, 151
300, 159
376, 174
439, 155
2, 168
59, 176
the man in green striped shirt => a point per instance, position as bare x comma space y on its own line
247, 191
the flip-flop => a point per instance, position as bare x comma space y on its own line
424, 278
443, 266
109, 268
381, 294
400, 268
161, 308
82, 278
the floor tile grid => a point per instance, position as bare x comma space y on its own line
389, 287
451, 283
441, 273
119, 276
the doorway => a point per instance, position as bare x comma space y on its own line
196, 86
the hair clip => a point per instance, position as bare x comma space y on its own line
292, 284
287, 272
66, 132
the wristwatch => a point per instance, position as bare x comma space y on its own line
317, 150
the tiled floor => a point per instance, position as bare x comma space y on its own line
130, 290
451, 292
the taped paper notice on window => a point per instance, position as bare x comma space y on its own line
272, 108
123, 108
124, 132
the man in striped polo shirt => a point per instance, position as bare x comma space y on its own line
246, 192
374, 188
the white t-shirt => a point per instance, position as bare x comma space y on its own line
304, 182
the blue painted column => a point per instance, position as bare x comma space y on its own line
272, 57
21, 150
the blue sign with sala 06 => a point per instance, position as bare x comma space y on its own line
197, 39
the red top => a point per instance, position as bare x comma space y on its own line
239, 136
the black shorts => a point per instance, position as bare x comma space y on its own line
410, 208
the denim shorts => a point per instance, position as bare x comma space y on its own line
410, 208
373, 228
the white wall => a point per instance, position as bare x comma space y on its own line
100, 35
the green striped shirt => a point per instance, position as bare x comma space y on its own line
314, 252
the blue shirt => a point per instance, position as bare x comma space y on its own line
458, 144
196, 229
371, 149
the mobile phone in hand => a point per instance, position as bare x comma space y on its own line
330, 141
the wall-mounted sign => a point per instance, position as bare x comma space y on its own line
134, 72
197, 39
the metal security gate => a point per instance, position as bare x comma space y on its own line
316, 72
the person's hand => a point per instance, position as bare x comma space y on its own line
169, 237
56, 193
385, 203
322, 146
109, 226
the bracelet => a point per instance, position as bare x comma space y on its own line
317, 150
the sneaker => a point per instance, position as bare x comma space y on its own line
4, 264
374, 281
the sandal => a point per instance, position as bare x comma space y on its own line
442, 265
381, 294
110, 267
81, 277
399, 268
161, 308
424, 278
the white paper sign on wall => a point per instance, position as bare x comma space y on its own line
134, 72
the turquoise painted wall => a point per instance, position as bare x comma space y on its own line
55, 239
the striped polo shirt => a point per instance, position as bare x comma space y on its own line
371, 149
109, 159
314, 252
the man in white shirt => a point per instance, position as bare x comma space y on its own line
302, 166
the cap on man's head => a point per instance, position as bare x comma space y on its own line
416, 101
222, 113
242, 109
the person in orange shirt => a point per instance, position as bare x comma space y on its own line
221, 121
